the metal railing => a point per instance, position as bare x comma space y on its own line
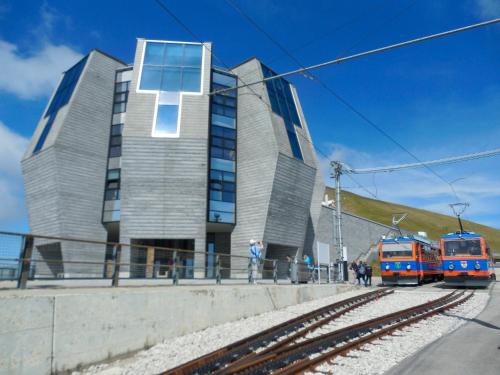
36, 260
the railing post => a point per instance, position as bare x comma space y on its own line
275, 271
218, 277
116, 272
175, 276
250, 271
25, 262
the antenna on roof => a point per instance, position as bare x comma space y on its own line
398, 218
458, 209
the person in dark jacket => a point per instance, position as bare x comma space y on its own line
368, 277
362, 272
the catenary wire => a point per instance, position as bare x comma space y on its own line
196, 37
366, 53
332, 92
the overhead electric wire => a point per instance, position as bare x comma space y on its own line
337, 96
196, 37
317, 38
365, 53
450, 160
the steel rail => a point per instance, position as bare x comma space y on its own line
215, 360
311, 363
301, 333
292, 353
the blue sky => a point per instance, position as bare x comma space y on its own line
439, 99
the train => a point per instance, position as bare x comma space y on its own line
409, 260
467, 259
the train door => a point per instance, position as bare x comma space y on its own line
419, 262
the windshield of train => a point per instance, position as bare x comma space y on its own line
462, 247
401, 250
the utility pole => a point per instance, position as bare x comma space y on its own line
337, 172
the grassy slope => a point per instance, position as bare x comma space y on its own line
418, 220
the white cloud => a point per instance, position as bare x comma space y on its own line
488, 8
12, 147
33, 72
34, 76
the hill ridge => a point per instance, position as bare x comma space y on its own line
435, 224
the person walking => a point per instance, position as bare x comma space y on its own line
255, 252
368, 277
362, 272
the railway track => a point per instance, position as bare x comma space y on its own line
296, 327
282, 349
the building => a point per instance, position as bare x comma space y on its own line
147, 154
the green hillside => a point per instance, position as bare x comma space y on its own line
418, 220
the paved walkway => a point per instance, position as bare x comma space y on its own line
474, 348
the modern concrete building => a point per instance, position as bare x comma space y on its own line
145, 153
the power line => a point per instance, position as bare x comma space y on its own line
366, 53
362, 38
332, 92
450, 160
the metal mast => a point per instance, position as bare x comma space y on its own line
337, 172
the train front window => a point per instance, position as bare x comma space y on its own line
462, 247
399, 250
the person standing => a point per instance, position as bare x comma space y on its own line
368, 278
307, 261
255, 252
354, 268
362, 272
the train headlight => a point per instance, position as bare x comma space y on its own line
451, 266
408, 267
477, 266
387, 267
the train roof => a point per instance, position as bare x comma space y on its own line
462, 235
409, 239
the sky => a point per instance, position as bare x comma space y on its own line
438, 99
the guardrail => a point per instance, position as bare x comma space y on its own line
37, 260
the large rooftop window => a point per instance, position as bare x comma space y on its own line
60, 99
170, 68
283, 104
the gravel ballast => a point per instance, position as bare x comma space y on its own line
176, 351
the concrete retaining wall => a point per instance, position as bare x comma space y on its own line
44, 332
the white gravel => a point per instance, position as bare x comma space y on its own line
174, 352
379, 356
393, 349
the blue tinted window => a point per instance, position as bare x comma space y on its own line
223, 165
223, 150
154, 53
191, 79
192, 55
294, 144
224, 79
45, 133
66, 87
222, 206
166, 120
61, 98
172, 67
221, 217
282, 103
171, 79
174, 54
151, 78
